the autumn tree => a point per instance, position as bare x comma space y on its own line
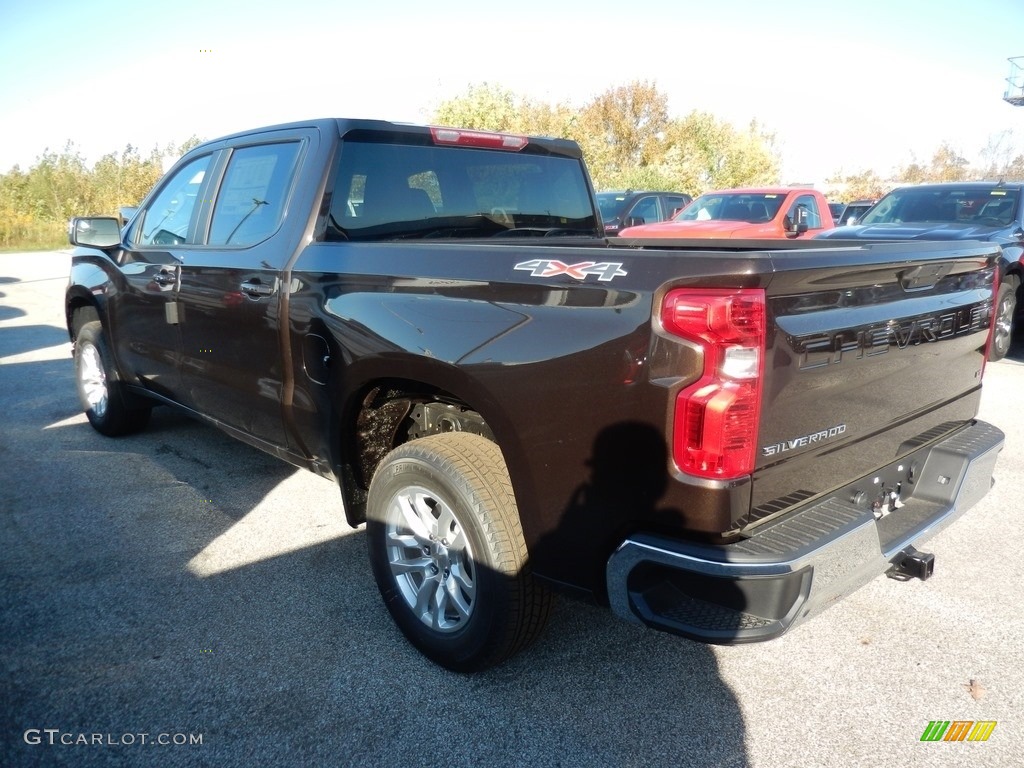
946, 165
125, 179
623, 128
628, 138
864, 185
1001, 158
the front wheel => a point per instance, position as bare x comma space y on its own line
100, 390
448, 553
1002, 329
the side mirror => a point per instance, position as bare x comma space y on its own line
633, 221
95, 231
797, 224
851, 221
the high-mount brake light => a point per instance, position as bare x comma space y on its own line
716, 417
484, 139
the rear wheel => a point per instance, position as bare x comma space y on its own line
106, 404
448, 553
1002, 329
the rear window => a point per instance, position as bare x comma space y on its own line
389, 191
610, 204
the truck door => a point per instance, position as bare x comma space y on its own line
231, 356
146, 316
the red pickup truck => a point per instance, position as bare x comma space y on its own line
769, 212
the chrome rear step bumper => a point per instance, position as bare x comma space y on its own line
790, 569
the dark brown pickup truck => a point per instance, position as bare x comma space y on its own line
717, 439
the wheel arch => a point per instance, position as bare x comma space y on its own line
80, 307
384, 412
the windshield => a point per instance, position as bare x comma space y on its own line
984, 207
610, 204
386, 191
752, 207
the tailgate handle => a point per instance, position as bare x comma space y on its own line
923, 277
256, 288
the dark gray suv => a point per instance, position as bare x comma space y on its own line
977, 210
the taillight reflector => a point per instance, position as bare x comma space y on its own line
467, 138
716, 417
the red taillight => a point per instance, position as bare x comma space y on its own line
467, 138
716, 417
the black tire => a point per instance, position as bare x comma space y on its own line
1002, 329
448, 553
110, 410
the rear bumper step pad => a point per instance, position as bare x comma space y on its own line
790, 569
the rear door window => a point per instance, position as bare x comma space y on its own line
251, 201
674, 204
646, 208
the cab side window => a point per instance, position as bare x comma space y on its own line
674, 204
251, 200
646, 208
169, 218
810, 204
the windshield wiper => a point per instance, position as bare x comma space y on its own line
544, 232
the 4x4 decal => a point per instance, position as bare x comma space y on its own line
605, 270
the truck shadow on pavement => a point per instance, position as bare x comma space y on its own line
1016, 351
29, 338
180, 582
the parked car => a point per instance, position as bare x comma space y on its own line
771, 212
629, 208
984, 210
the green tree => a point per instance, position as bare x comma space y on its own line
15, 218
35, 205
484, 107
708, 153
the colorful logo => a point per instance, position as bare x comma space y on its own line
605, 270
958, 730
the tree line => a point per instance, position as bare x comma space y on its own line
998, 161
629, 140
35, 205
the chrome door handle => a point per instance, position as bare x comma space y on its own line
256, 289
166, 276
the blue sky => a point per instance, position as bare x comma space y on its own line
844, 86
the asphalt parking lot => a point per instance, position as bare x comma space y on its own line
178, 598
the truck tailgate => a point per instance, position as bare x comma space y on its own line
867, 444
875, 354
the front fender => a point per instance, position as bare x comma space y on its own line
91, 283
